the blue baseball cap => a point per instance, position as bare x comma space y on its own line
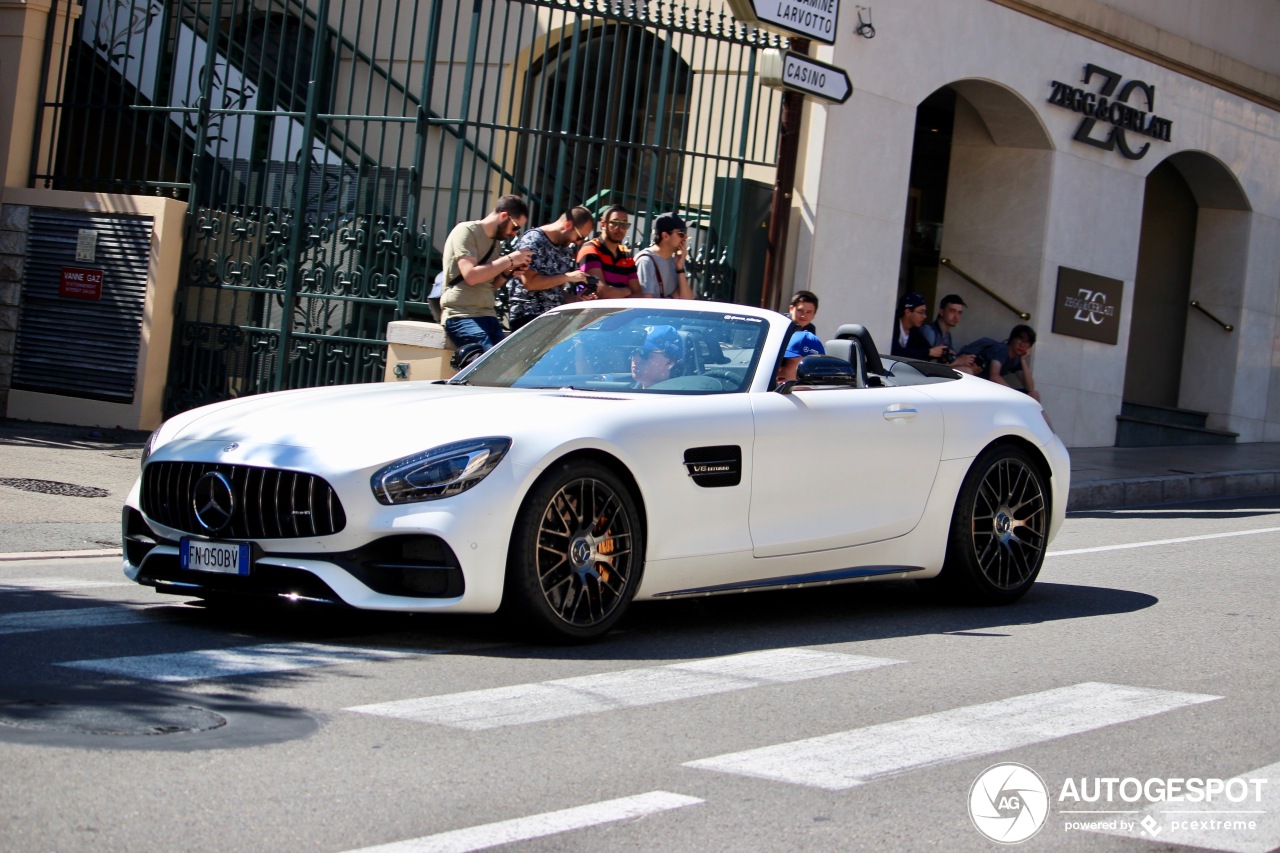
804, 343
663, 339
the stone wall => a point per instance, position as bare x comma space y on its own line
14, 220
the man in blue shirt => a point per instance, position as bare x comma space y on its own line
1001, 361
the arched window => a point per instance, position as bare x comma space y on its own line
609, 107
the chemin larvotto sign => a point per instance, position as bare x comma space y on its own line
1087, 306
1115, 105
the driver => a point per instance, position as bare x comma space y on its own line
652, 361
802, 343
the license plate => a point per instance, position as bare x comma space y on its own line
228, 558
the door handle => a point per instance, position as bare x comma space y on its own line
900, 413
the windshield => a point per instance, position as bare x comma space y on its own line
657, 350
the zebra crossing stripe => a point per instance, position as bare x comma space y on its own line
1251, 825
72, 619
845, 760
538, 826
245, 660
569, 697
54, 584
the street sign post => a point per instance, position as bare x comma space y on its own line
810, 19
795, 72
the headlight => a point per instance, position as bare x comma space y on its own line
440, 472
150, 445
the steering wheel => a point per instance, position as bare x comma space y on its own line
732, 381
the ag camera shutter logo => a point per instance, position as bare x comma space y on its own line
1008, 803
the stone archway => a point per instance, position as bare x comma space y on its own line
988, 173
1194, 248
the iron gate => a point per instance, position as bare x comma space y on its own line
326, 148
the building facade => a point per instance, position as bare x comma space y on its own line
1107, 171
1110, 168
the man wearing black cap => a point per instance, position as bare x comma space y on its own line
660, 267
908, 340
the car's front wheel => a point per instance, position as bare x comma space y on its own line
1000, 527
577, 552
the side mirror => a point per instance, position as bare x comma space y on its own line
825, 370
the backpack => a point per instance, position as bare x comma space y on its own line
662, 282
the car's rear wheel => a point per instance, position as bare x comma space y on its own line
999, 530
577, 552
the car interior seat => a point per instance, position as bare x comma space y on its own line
851, 351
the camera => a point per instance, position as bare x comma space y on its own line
582, 288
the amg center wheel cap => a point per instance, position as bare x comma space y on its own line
1004, 525
580, 552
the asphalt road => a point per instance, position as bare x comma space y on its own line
852, 718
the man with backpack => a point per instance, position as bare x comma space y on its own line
660, 267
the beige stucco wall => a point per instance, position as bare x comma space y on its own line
145, 412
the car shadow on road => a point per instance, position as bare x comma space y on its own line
843, 614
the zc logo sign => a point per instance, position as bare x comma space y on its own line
1115, 105
1091, 306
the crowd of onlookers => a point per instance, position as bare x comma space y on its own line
914, 336
567, 261
561, 261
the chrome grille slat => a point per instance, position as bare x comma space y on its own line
270, 504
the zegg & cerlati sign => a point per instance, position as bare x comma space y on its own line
1113, 104
1087, 306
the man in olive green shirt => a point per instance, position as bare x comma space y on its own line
472, 273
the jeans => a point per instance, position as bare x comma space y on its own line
485, 331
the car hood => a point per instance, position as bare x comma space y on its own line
354, 426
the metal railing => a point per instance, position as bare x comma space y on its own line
1226, 327
946, 262
326, 147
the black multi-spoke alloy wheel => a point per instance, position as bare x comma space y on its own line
999, 529
577, 552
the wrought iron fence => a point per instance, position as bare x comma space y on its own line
326, 148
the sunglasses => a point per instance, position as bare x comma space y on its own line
618, 223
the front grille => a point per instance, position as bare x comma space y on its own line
267, 503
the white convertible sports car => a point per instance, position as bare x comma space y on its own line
608, 451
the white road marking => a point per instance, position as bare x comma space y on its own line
1154, 542
846, 759
538, 826
72, 619
569, 697
1249, 826
58, 583
245, 660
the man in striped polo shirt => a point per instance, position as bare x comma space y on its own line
608, 260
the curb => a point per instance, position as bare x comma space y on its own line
1174, 488
59, 555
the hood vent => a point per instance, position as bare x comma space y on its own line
715, 467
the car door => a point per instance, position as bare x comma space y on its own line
836, 467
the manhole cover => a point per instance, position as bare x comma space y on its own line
52, 487
125, 719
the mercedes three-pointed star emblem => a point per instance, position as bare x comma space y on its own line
214, 502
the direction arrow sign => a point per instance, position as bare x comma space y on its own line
811, 19
783, 69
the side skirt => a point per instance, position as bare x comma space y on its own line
795, 581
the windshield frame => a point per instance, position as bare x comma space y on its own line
588, 347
